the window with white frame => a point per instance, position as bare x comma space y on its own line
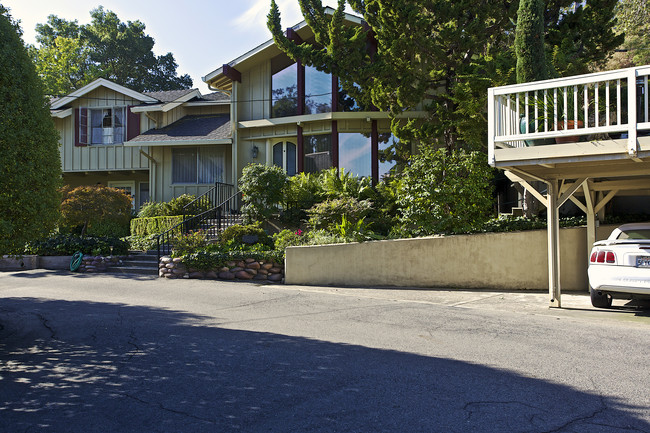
102, 125
197, 165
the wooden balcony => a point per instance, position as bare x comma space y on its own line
584, 138
580, 126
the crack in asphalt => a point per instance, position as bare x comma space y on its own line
579, 419
166, 409
47, 326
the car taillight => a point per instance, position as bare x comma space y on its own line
602, 256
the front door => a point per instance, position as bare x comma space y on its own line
285, 156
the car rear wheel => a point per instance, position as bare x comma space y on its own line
600, 300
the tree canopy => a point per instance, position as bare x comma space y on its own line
30, 168
70, 55
440, 56
634, 23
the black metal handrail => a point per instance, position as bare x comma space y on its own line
210, 199
212, 221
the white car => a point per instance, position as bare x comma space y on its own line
619, 267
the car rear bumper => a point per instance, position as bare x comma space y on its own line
620, 279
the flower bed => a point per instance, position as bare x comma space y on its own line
245, 269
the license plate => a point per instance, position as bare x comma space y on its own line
643, 262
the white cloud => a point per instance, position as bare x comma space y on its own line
255, 15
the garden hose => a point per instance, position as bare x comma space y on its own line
76, 261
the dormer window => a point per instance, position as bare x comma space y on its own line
99, 126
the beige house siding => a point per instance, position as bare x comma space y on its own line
254, 92
161, 175
98, 157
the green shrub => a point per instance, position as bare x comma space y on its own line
327, 215
234, 234
142, 243
153, 209
206, 260
262, 191
66, 245
323, 237
96, 208
288, 238
337, 184
189, 243
173, 207
445, 192
109, 228
143, 227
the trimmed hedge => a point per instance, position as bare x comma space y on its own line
66, 245
142, 227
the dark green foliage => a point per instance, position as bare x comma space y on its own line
189, 243
30, 168
71, 55
234, 235
153, 225
108, 228
66, 245
211, 260
440, 56
444, 192
85, 207
529, 42
634, 22
327, 214
262, 190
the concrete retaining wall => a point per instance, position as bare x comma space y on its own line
511, 261
35, 262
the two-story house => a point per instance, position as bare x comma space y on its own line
265, 109
155, 145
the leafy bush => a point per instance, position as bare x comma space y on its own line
173, 207
189, 243
337, 184
288, 238
87, 206
262, 189
153, 225
207, 260
444, 192
108, 229
327, 215
323, 237
142, 243
234, 234
66, 245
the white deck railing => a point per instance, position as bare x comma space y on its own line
573, 108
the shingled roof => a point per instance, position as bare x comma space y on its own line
169, 95
190, 128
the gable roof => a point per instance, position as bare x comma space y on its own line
193, 129
100, 82
169, 95
217, 74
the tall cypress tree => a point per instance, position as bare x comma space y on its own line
30, 168
529, 42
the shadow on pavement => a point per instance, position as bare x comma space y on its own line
86, 367
46, 273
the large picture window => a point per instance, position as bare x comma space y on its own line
318, 152
355, 154
103, 125
284, 87
318, 91
386, 140
197, 165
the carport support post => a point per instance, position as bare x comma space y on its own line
553, 230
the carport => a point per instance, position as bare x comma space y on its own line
590, 173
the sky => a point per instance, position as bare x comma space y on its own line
201, 34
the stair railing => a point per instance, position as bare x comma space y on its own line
212, 221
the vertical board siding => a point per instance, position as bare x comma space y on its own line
98, 157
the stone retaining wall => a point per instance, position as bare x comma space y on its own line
246, 269
98, 263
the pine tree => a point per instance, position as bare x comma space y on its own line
30, 168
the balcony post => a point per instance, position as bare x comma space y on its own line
553, 230
491, 102
631, 114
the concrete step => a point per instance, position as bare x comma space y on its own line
137, 263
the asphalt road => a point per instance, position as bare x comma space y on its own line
101, 353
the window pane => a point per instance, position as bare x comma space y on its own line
347, 102
284, 93
97, 131
318, 152
210, 165
318, 91
118, 125
144, 193
385, 155
291, 158
355, 154
184, 165
277, 154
